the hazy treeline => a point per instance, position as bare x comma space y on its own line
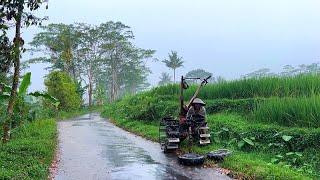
103, 59
288, 70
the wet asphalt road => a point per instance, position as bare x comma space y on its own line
90, 147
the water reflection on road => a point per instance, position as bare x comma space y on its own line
90, 147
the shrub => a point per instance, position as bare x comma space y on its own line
61, 86
143, 107
228, 105
267, 137
30, 152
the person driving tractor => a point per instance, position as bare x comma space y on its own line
197, 108
192, 121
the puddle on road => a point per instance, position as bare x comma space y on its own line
77, 124
108, 152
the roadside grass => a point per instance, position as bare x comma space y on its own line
295, 147
29, 153
229, 127
251, 164
284, 111
270, 123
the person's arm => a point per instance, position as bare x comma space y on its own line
203, 112
190, 112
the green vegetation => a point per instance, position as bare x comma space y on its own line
249, 163
290, 111
100, 56
61, 86
13, 14
30, 152
301, 85
270, 123
25, 105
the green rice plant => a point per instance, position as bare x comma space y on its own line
231, 105
288, 111
300, 85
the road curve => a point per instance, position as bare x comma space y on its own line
91, 147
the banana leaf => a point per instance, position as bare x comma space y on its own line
53, 100
25, 83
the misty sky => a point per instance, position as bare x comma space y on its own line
227, 37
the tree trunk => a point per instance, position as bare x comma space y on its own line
114, 86
74, 72
90, 76
13, 94
90, 94
174, 76
114, 80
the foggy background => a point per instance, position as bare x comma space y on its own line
228, 38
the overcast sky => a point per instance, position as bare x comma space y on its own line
227, 37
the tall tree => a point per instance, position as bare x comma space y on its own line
117, 37
122, 61
173, 63
19, 13
5, 58
313, 68
288, 70
164, 79
88, 56
134, 72
99, 56
61, 41
199, 73
61, 85
264, 72
100, 94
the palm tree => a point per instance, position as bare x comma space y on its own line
164, 79
173, 62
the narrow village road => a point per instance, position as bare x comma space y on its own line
91, 147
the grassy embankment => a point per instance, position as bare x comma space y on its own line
28, 155
271, 124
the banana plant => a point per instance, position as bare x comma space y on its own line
22, 92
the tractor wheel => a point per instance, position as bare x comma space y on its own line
218, 155
191, 159
169, 134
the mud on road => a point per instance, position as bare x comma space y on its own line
91, 147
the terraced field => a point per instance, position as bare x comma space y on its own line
272, 124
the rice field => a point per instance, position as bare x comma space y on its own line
297, 86
267, 110
290, 111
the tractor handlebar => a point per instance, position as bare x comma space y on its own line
205, 80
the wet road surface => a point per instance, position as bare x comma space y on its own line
91, 147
